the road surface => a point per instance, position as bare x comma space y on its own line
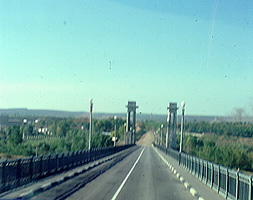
141, 175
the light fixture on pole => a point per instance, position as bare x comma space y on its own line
90, 131
161, 144
125, 134
156, 138
159, 135
182, 127
115, 127
24, 129
167, 132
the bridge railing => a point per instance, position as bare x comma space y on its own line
14, 173
229, 183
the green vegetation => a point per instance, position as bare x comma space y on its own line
55, 135
225, 143
242, 129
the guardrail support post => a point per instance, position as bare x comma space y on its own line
18, 175
227, 183
250, 187
40, 166
237, 185
57, 162
179, 158
218, 189
212, 175
202, 170
3, 176
31, 168
207, 173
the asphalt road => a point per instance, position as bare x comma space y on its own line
141, 175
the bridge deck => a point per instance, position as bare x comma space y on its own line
141, 175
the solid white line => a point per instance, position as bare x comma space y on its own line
129, 173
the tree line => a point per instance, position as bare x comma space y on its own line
72, 134
229, 144
242, 129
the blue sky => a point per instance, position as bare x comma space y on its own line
59, 54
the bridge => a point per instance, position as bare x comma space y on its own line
147, 169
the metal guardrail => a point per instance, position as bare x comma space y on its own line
15, 173
228, 183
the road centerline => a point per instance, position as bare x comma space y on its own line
127, 176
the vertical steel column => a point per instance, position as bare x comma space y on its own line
131, 128
171, 130
172, 109
168, 130
134, 126
174, 135
128, 127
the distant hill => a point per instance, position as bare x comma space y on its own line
24, 112
17, 112
27, 112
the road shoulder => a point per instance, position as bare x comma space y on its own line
196, 187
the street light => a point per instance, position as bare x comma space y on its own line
161, 143
156, 138
182, 127
125, 142
25, 122
115, 127
159, 135
90, 130
168, 132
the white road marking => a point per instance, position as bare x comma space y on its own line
129, 173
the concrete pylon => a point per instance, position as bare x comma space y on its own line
131, 127
171, 136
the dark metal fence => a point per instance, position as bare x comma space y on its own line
229, 183
15, 173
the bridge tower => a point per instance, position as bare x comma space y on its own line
131, 127
171, 137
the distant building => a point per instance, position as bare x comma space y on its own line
106, 133
4, 119
43, 130
208, 133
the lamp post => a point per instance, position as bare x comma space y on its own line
182, 127
156, 138
25, 122
161, 144
168, 132
90, 130
115, 127
159, 135
125, 134
131, 135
